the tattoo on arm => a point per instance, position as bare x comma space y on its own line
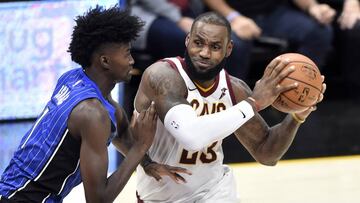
159, 83
164, 86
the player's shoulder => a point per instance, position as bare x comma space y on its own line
88, 115
240, 88
160, 67
89, 110
161, 71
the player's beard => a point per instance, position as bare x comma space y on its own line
203, 76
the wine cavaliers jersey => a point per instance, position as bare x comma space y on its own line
45, 167
206, 165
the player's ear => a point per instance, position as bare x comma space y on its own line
229, 48
104, 61
187, 39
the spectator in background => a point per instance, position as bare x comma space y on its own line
307, 28
350, 15
166, 24
167, 21
348, 42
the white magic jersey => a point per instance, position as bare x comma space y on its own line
206, 165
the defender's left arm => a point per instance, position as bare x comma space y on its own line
124, 141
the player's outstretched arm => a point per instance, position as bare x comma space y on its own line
267, 145
89, 121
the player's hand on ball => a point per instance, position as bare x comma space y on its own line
304, 114
267, 89
157, 171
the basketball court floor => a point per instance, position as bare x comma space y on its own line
316, 180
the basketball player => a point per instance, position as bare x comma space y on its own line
68, 142
198, 105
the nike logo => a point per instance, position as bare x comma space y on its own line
244, 116
192, 89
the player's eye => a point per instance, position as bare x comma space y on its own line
198, 42
216, 47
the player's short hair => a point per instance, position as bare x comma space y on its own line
213, 18
99, 26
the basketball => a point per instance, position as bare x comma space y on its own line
309, 80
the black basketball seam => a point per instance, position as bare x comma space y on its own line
304, 83
293, 101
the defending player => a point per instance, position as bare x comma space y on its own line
68, 142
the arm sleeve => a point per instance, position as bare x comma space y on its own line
196, 132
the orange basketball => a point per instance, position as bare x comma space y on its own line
308, 77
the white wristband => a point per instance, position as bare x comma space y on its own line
232, 15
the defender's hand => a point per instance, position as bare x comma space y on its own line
144, 126
158, 170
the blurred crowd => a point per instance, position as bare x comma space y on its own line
326, 31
